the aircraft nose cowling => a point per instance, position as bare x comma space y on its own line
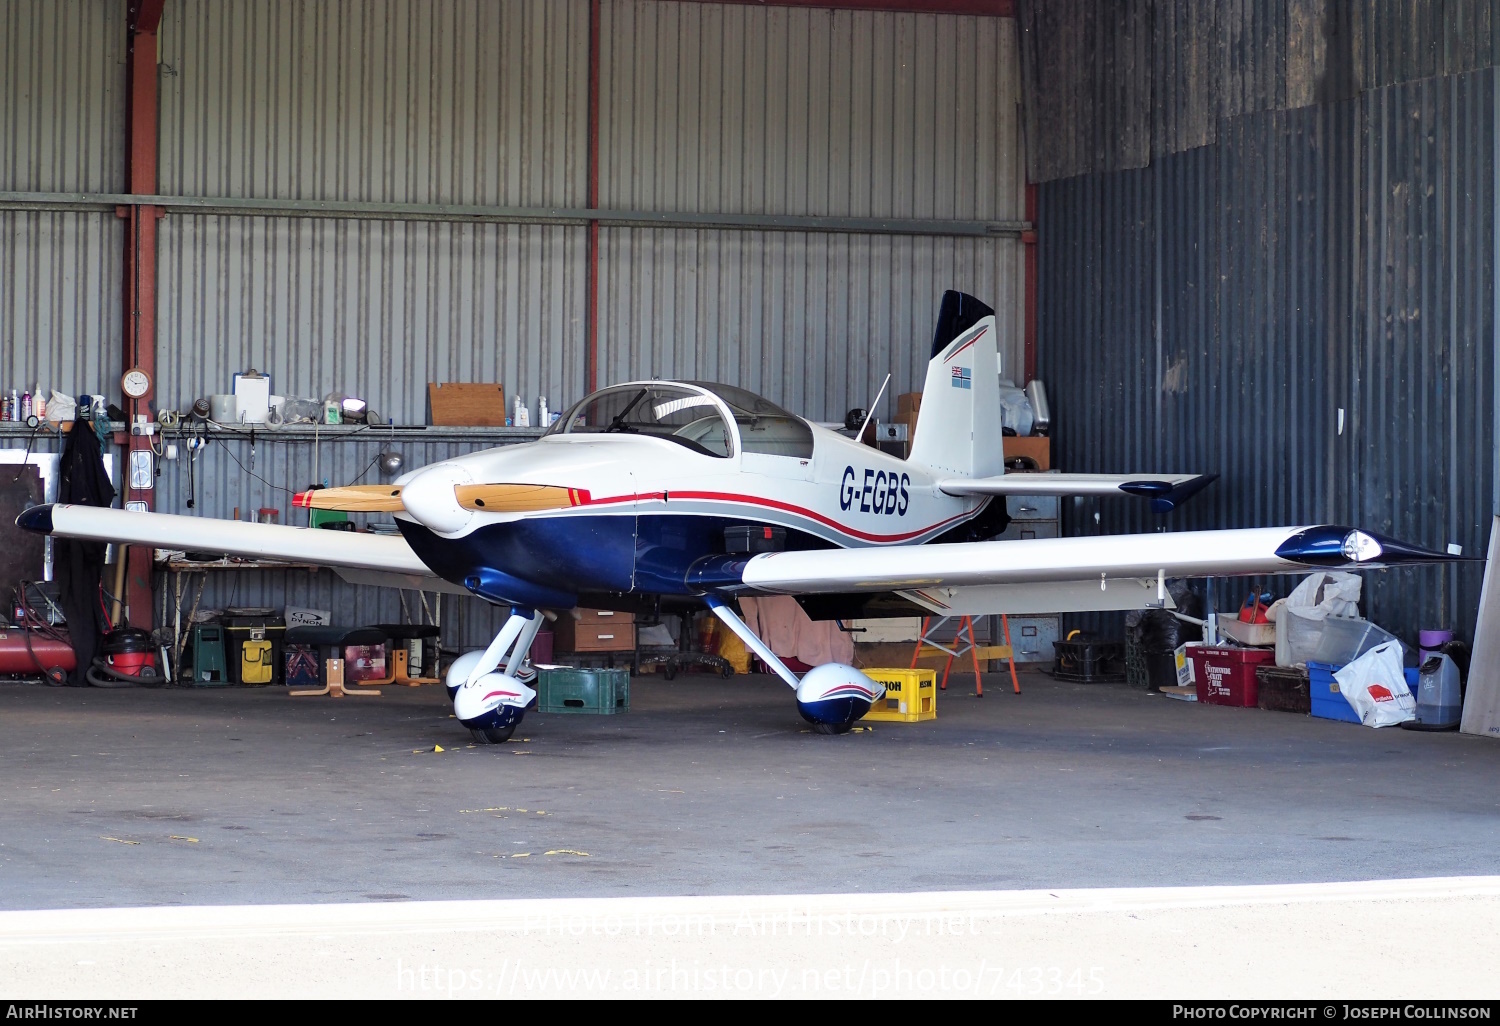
430, 499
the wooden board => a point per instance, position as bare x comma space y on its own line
1482, 695
1034, 447
460, 404
21, 552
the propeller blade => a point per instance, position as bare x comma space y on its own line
353, 499
518, 498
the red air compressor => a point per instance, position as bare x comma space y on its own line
25, 652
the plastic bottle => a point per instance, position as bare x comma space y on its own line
39, 402
26, 405
542, 419
1439, 700
4, 407
522, 415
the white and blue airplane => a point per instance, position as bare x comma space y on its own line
697, 492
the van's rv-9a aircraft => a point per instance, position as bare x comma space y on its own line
631, 496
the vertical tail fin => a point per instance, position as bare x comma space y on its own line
958, 425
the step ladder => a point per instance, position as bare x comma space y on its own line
965, 645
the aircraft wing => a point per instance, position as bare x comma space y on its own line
1058, 574
1166, 491
365, 558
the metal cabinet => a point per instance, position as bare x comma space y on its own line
1019, 529
1031, 637
1031, 507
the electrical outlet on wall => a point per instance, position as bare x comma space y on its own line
142, 469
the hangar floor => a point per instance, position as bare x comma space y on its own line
709, 787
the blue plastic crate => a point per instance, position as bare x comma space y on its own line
1326, 701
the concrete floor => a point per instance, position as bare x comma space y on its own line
710, 787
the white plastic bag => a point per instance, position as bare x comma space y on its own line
1375, 687
61, 408
1322, 595
1300, 616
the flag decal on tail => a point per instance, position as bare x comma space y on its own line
962, 377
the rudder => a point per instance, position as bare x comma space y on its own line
959, 420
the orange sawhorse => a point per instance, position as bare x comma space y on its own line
974, 651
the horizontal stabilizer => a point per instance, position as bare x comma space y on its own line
1166, 491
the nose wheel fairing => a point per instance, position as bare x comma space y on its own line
520, 562
589, 553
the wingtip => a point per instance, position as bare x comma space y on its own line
1175, 497
36, 518
1334, 546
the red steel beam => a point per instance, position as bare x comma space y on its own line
591, 342
139, 344
145, 15
982, 8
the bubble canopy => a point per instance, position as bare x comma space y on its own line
691, 414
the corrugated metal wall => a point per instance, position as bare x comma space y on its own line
372, 308
62, 99
1216, 311
705, 107
738, 109
814, 321
456, 101
1109, 82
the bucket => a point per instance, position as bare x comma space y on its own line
1428, 643
223, 408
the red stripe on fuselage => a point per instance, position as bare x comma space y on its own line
786, 507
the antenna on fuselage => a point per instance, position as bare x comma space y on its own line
870, 410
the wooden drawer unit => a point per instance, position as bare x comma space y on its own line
595, 630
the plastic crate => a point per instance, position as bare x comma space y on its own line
1326, 701
1282, 689
1226, 676
1089, 661
566, 689
910, 695
1258, 635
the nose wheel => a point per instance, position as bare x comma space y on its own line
497, 734
490, 703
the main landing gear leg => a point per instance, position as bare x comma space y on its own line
491, 704
831, 697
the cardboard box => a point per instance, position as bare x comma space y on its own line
908, 402
460, 404
1034, 448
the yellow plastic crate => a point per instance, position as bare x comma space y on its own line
910, 695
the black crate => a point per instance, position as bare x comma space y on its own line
749, 538
1089, 661
1282, 689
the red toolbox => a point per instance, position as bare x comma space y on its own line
1226, 676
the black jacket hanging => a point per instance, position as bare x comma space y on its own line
77, 565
